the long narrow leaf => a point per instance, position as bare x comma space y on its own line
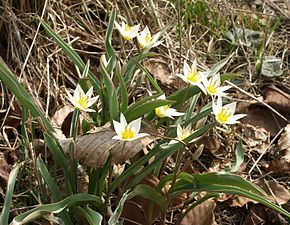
23, 97
114, 219
57, 207
93, 217
8, 196
53, 188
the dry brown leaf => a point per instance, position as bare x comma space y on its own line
135, 210
202, 214
94, 149
280, 165
277, 98
4, 169
160, 71
212, 145
260, 116
281, 194
284, 141
261, 215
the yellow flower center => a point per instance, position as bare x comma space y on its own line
160, 111
212, 87
224, 115
148, 39
83, 101
193, 76
127, 133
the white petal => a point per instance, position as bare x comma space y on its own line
135, 125
186, 68
224, 88
117, 138
201, 87
118, 27
234, 119
156, 44
90, 92
231, 107
162, 97
78, 92
173, 112
137, 136
215, 107
194, 65
118, 127
172, 142
123, 120
188, 128
92, 101
70, 97
216, 78
179, 131
89, 110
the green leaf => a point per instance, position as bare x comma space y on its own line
131, 65
71, 53
239, 159
110, 52
217, 67
9, 193
114, 219
165, 153
23, 97
111, 94
53, 188
150, 78
93, 217
57, 207
60, 157
149, 193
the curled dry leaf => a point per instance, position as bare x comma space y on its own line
260, 116
257, 138
284, 141
159, 69
277, 98
94, 149
202, 214
212, 145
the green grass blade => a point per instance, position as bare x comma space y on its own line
167, 151
114, 219
23, 97
239, 159
149, 193
71, 53
57, 207
139, 103
149, 77
93, 217
121, 89
110, 52
53, 188
8, 196
131, 65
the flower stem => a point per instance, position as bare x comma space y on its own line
73, 162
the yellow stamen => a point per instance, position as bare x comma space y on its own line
212, 87
127, 28
83, 101
127, 133
224, 115
161, 110
148, 39
193, 76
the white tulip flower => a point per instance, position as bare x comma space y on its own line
192, 76
145, 39
82, 101
212, 86
182, 133
128, 32
128, 132
118, 169
166, 111
225, 114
